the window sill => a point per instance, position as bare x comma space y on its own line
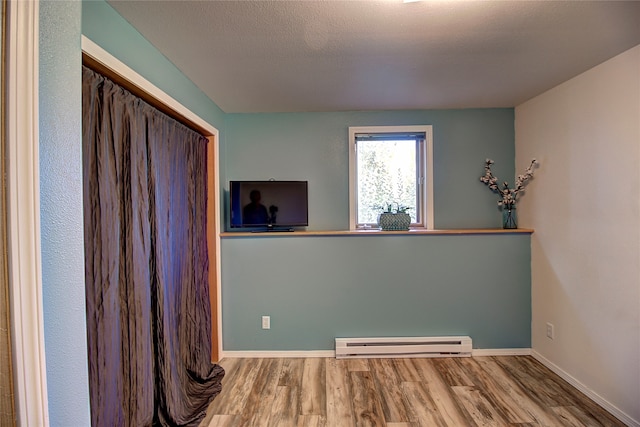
375, 232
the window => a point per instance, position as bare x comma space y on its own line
390, 165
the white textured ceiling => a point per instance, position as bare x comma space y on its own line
287, 56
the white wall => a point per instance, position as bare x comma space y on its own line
584, 204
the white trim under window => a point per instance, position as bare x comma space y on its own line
425, 183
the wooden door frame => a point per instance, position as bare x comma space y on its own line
7, 394
100, 60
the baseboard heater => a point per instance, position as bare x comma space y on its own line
403, 347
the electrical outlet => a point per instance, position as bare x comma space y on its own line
550, 331
266, 322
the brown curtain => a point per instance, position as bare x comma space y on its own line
146, 263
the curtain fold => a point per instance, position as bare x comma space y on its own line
146, 263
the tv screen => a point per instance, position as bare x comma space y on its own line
268, 204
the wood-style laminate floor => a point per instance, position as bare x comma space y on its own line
478, 391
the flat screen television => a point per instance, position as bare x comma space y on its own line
269, 205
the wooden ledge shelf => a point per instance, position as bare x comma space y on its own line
375, 232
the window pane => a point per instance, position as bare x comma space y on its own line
386, 174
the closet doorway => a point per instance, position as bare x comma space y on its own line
96, 58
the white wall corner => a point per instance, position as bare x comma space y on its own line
604, 403
583, 203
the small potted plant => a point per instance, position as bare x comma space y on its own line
394, 219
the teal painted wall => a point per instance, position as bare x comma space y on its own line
314, 147
319, 288
61, 221
105, 27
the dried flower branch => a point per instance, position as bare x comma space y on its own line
508, 195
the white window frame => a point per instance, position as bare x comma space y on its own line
426, 186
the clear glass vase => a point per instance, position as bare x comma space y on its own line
509, 219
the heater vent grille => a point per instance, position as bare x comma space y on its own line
403, 347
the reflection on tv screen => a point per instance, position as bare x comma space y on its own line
268, 203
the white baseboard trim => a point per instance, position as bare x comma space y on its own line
331, 353
265, 354
608, 406
478, 352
